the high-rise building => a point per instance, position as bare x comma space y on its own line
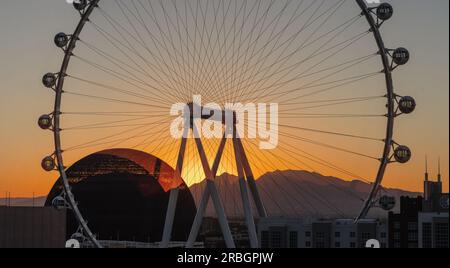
422, 221
403, 226
433, 198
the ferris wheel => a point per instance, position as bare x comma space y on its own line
324, 63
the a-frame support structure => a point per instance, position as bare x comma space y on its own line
246, 183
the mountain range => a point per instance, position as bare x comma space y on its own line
288, 193
300, 194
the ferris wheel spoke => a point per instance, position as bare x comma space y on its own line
183, 46
249, 37
119, 63
162, 108
286, 195
111, 39
211, 62
278, 60
123, 91
318, 90
170, 73
345, 66
314, 159
299, 153
229, 72
200, 32
278, 83
326, 116
201, 72
124, 78
165, 148
305, 74
237, 43
275, 37
353, 63
331, 101
147, 133
223, 47
333, 104
174, 63
300, 191
258, 53
113, 124
291, 40
165, 37
114, 114
204, 81
101, 141
302, 75
328, 146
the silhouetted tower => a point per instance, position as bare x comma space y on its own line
432, 189
425, 183
439, 172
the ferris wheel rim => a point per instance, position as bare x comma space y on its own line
56, 121
92, 4
390, 107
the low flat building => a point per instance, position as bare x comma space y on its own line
433, 230
32, 227
307, 233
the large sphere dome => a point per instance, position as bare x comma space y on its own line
123, 194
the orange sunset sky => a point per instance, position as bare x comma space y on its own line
27, 52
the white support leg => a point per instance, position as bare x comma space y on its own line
173, 199
215, 197
198, 217
228, 237
201, 210
170, 215
251, 182
245, 198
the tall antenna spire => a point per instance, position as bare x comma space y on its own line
439, 170
426, 167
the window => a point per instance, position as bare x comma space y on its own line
352, 245
337, 234
397, 225
352, 234
441, 235
320, 245
413, 236
308, 244
383, 235
320, 240
364, 237
276, 239
426, 235
308, 234
397, 236
293, 239
412, 226
337, 245
320, 235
